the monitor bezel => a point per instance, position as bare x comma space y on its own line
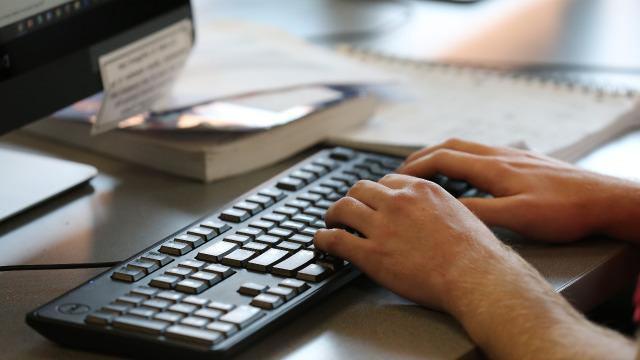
52, 69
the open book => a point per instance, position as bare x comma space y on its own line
434, 102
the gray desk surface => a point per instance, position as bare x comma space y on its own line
127, 208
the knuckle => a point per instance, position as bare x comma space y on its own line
357, 187
453, 142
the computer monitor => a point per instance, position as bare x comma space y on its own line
49, 51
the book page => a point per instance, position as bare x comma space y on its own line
435, 103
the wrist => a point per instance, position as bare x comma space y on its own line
616, 211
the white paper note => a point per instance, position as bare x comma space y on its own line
136, 76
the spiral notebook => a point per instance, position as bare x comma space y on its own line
434, 102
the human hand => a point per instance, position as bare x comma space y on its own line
419, 241
534, 195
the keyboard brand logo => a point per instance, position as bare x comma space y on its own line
73, 309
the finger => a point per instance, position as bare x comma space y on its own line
458, 145
369, 193
342, 244
496, 211
481, 171
397, 181
350, 212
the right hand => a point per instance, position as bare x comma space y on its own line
534, 195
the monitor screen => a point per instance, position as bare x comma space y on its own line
49, 49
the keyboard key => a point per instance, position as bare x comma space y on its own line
320, 224
208, 278
287, 210
143, 291
292, 225
136, 324
267, 301
220, 306
250, 232
310, 197
170, 296
145, 313
275, 194
211, 314
169, 317
128, 275
158, 304
307, 177
204, 232
216, 225
309, 231
295, 284
263, 225
290, 184
192, 264
251, 289
305, 219
221, 270
256, 246
284, 292
456, 187
332, 184
302, 239
313, 272
195, 300
225, 328
325, 163
342, 154
299, 204
346, 179
194, 321
180, 272
143, 265
185, 309
191, 286
234, 215
252, 208
275, 218
159, 259
280, 232
316, 212
99, 318
193, 335
323, 204
331, 262
238, 239
116, 309
264, 261
316, 170
216, 251
193, 240
289, 246
289, 266
238, 258
174, 248
242, 316
164, 281
321, 190
268, 239
261, 200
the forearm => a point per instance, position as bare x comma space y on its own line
512, 313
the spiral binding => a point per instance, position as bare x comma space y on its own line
466, 69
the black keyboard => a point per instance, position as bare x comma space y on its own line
212, 287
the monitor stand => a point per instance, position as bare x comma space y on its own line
29, 179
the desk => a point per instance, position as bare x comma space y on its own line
127, 208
